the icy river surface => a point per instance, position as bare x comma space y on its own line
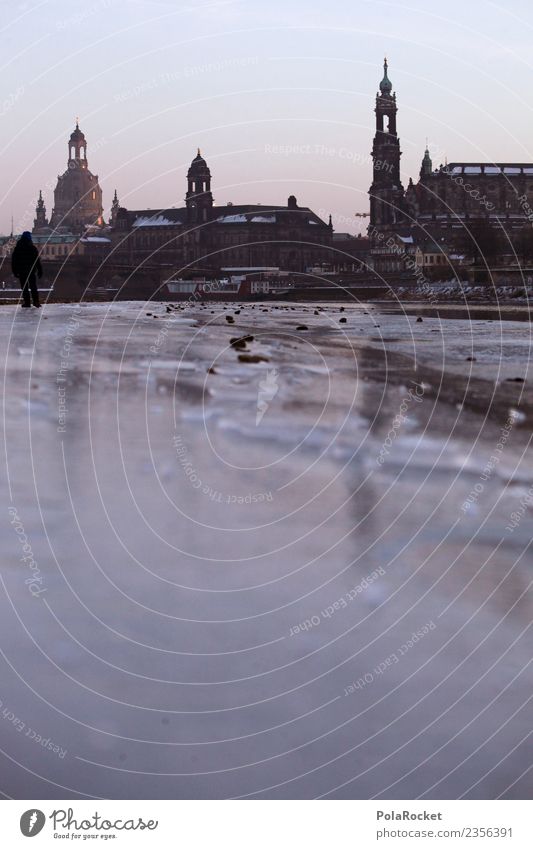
294, 566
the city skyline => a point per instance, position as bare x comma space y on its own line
270, 122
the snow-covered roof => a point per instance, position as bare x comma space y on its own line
492, 169
226, 214
408, 240
232, 219
101, 239
153, 221
241, 218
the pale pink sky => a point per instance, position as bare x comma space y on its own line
279, 96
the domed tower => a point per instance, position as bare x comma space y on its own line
77, 147
386, 191
77, 196
40, 221
199, 200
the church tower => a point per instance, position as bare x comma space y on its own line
115, 206
40, 221
386, 191
199, 200
77, 196
426, 169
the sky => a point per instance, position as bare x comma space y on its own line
278, 95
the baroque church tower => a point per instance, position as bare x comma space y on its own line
40, 221
199, 200
77, 196
386, 191
114, 210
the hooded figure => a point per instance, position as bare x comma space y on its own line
26, 264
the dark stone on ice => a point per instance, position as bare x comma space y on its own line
252, 358
238, 341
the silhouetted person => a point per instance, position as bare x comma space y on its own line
26, 264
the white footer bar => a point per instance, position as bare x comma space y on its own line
267, 824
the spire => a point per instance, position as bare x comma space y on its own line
385, 85
199, 153
40, 219
427, 165
115, 206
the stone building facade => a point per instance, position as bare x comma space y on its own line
201, 236
445, 199
458, 205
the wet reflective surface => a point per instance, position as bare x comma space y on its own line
291, 568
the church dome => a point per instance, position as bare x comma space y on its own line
77, 135
198, 162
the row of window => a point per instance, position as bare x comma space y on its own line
55, 250
434, 259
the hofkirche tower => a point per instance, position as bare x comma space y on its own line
386, 191
77, 196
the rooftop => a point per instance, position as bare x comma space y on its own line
490, 168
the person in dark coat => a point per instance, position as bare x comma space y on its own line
26, 264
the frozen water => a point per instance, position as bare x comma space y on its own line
287, 579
